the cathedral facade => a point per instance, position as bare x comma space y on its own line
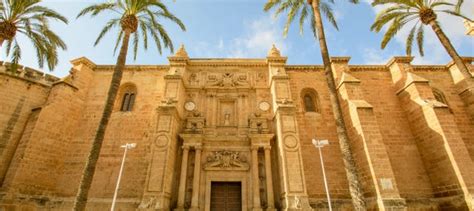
236, 134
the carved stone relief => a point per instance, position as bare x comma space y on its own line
258, 124
149, 203
195, 122
228, 80
226, 160
193, 79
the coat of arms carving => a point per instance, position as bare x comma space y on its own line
226, 160
228, 80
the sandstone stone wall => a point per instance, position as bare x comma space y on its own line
19, 96
319, 125
411, 150
124, 127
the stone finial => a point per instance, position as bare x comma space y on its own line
181, 52
274, 52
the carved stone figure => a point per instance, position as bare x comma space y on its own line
227, 118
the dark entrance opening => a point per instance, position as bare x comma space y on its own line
226, 196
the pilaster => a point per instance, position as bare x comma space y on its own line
370, 153
293, 194
164, 143
439, 142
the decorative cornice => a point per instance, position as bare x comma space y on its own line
277, 59
304, 67
429, 68
178, 59
235, 62
357, 68
83, 60
133, 67
340, 59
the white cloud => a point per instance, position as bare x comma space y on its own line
255, 41
260, 35
434, 51
374, 56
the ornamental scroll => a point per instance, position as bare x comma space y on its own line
226, 160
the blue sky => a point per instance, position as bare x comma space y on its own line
240, 29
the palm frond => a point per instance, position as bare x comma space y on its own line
270, 4
16, 56
409, 42
112, 23
454, 13
419, 40
392, 30
291, 16
148, 13
457, 8
327, 11
303, 17
96, 9
32, 21
403, 2
117, 42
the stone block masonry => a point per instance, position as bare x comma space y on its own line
202, 124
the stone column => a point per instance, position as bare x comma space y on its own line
197, 175
255, 179
269, 179
182, 178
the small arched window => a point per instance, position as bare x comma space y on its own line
309, 98
129, 94
309, 103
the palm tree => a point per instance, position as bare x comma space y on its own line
422, 12
137, 18
311, 9
28, 18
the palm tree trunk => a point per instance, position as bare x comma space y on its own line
450, 49
351, 171
88, 173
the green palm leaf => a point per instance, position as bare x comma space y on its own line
400, 12
147, 12
31, 20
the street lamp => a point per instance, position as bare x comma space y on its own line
320, 144
127, 146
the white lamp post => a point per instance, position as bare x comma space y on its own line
127, 146
320, 144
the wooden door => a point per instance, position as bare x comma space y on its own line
226, 196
